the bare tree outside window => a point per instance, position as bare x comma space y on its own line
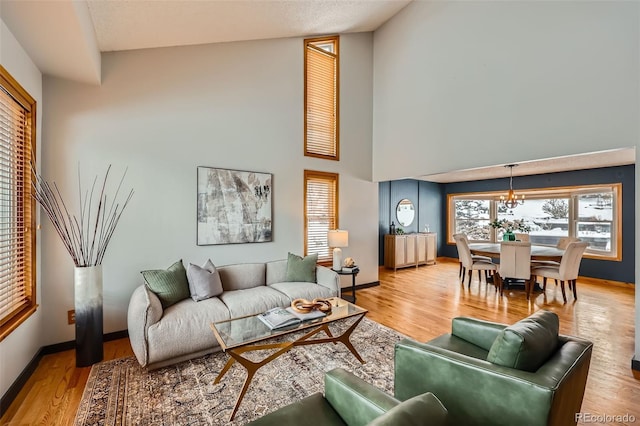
472, 218
556, 208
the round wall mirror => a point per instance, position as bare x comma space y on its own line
405, 212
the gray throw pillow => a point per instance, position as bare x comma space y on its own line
169, 285
417, 411
204, 282
302, 269
527, 344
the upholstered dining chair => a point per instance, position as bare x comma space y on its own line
562, 244
566, 270
515, 263
469, 264
462, 271
521, 236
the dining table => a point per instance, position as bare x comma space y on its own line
538, 252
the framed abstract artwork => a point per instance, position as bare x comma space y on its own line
234, 206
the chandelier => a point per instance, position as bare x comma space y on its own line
511, 200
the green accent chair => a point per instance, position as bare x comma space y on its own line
487, 373
348, 400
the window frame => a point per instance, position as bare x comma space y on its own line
572, 193
334, 178
27, 207
310, 44
492, 209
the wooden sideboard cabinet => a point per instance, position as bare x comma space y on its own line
405, 250
427, 243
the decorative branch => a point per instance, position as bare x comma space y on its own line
86, 236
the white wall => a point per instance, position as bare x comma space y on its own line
162, 113
467, 84
474, 83
17, 349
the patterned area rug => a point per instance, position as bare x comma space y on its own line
120, 392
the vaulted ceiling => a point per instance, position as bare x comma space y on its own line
65, 38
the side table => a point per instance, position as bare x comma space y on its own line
353, 274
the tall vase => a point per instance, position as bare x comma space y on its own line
88, 305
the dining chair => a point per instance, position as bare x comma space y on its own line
522, 236
470, 264
566, 270
515, 263
462, 270
562, 244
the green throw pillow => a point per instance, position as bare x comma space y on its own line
527, 344
302, 269
417, 411
171, 285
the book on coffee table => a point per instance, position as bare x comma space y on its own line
283, 317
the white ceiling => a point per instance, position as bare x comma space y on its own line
65, 38
593, 160
125, 25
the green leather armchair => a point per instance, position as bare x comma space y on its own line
490, 374
348, 400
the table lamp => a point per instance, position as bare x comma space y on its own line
338, 238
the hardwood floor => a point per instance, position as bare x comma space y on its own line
419, 303
52, 394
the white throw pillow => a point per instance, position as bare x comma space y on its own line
204, 282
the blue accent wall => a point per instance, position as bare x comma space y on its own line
427, 199
431, 199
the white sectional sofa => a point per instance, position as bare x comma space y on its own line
182, 331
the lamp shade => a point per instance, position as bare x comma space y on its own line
338, 238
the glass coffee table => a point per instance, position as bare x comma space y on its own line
247, 334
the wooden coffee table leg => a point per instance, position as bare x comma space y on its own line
323, 327
226, 368
344, 338
327, 331
251, 366
247, 381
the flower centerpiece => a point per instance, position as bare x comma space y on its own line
509, 226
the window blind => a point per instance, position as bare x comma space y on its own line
321, 98
320, 212
17, 285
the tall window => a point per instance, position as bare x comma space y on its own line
320, 212
472, 218
321, 103
591, 213
17, 208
